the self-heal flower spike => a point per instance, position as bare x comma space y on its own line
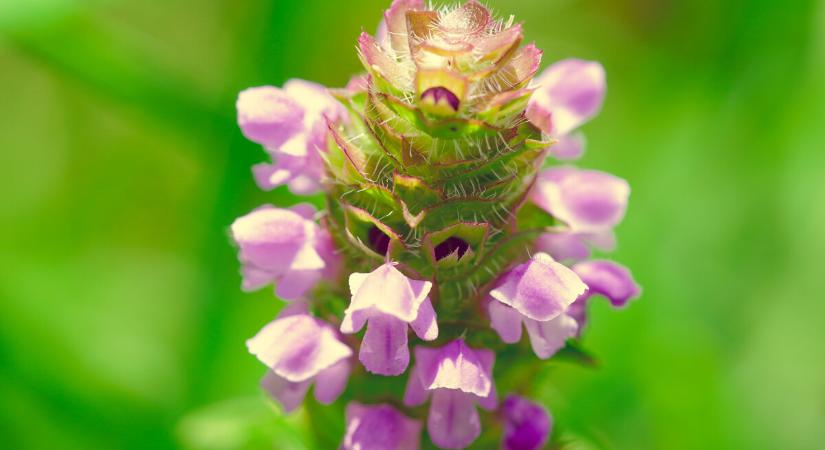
455, 228
300, 349
379, 427
527, 424
285, 247
457, 378
388, 302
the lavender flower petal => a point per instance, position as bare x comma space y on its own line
453, 421
379, 427
387, 290
384, 348
297, 347
570, 92
269, 116
425, 324
506, 321
288, 394
331, 382
457, 366
587, 200
563, 246
280, 246
569, 147
527, 425
550, 336
540, 289
609, 279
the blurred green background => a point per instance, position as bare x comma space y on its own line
122, 325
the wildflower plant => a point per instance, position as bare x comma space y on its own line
453, 222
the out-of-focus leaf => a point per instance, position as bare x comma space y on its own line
240, 424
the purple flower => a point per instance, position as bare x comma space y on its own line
540, 289
379, 427
300, 349
606, 278
291, 124
569, 93
586, 200
285, 247
458, 377
537, 294
569, 147
546, 337
609, 279
388, 302
527, 425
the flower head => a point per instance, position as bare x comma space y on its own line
426, 161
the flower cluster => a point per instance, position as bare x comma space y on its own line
449, 226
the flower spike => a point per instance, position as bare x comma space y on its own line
458, 229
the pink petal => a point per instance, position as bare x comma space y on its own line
587, 200
506, 321
569, 147
569, 93
255, 278
305, 210
379, 427
268, 115
527, 425
331, 382
297, 347
540, 289
458, 366
270, 238
354, 320
550, 336
297, 283
384, 347
316, 100
416, 393
288, 394
453, 421
563, 246
609, 279
425, 325
489, 401
387, 290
